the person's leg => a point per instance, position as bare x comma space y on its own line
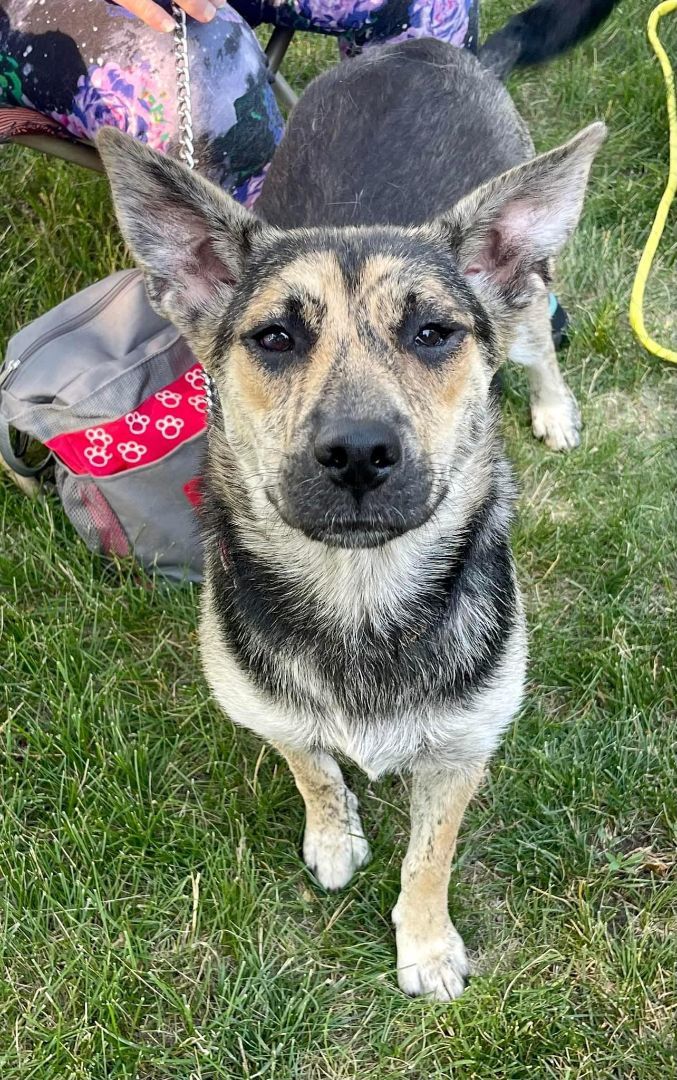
90, 64
360, 23
453, 21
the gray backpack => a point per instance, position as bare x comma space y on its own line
118, 400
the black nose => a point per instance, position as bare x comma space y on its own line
358, 454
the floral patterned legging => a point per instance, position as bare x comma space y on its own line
88, 63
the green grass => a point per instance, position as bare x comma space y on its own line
156, 919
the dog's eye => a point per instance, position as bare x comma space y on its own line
432, 334
274, 339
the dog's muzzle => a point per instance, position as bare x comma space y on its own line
357, 483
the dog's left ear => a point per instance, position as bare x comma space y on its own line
189, 237
511, 226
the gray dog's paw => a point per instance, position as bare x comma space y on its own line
557, 422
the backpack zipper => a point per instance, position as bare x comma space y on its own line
71, 324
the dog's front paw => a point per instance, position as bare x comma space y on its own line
334, 851
435, 967
557, 422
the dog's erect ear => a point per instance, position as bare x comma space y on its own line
189, 237
511, 226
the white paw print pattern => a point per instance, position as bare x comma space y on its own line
199, 402
169, 398
137, 422
98, 435
195, 378
169, 426
131, 451
98, 456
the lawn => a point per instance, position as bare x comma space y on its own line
156, 919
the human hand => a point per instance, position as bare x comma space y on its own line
159, 19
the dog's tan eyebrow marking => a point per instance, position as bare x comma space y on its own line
297, 307
316, 277
308, 307
387, 283
377, 270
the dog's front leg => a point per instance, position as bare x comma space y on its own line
334, 845
555, 416
430, 953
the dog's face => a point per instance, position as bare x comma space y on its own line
353, 366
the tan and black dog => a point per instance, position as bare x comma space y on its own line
360, 596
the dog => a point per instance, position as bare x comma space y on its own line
360, 595
542, 32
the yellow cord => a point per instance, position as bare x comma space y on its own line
646, 261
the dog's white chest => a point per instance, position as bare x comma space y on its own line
454, 735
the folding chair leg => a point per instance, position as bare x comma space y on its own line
283, 92
278, 43
75, 152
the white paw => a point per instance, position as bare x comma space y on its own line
334, 852
558, 423
437, 967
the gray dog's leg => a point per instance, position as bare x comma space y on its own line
554, 413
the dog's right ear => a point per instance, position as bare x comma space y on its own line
511, 226
189, 237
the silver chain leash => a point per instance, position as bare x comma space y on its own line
185, 115
183, 97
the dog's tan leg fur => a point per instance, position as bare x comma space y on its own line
334, 846
555, 417
430, 953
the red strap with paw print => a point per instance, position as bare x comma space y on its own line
157, 426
